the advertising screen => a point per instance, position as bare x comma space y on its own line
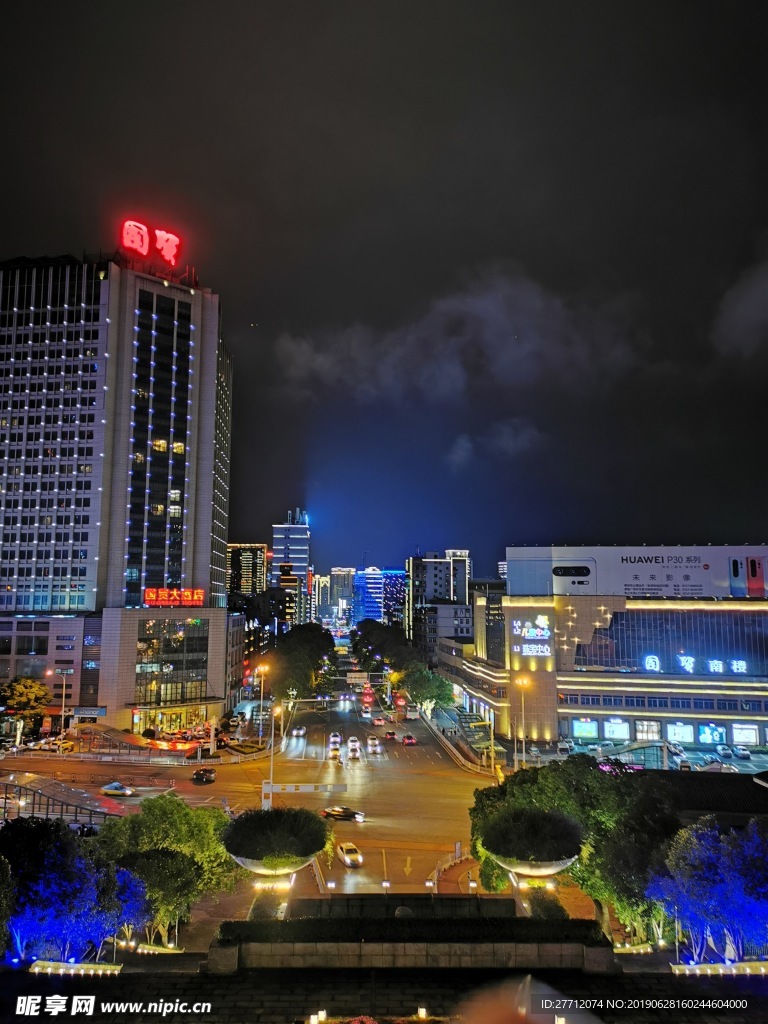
674, 572
748, 734
679, 733
615, 730
585, 729
710, 733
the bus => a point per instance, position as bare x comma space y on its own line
411, 710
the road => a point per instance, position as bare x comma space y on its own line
415, 798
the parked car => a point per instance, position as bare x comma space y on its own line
743, 752
349, 854
724, 750
117, 789
342, 813
711, 759
204, 775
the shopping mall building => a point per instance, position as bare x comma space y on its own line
621, 644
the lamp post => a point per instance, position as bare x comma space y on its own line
523, 682
61, 676
261, 669
277, 711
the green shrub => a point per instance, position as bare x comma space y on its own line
264, 906
545, 906
531, 834
280, 835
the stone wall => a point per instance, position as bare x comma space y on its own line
448, 955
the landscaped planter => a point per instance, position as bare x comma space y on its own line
276, 842
533, 868
267, 867
531, 842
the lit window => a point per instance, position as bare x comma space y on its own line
160, 445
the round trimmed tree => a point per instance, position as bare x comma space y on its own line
530, 841
277, 841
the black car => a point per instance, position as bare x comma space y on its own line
343, 814
204, 775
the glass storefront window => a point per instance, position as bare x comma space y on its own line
677, 732
647, 730
748, 734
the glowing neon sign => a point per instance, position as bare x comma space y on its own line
138, 238
163, 597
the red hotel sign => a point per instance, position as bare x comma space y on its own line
139, 238
155, 597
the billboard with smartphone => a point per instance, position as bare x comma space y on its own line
672, 572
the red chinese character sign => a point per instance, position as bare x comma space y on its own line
172, 597
148, 242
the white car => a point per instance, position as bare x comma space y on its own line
335, 737
349, 855
353, 743
365, 712
373, 744
742, 752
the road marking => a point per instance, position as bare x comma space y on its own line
384, 859
407, 869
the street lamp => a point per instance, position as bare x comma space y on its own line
277, 711
523, 682
51, 672
261, 669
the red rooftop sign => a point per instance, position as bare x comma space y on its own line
148, 241
161, 597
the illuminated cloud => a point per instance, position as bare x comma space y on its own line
742, 320
503, 331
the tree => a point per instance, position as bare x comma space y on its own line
166, 825
65, 897
716, 883
613, 807
530, 834
424, 685
25, 697
690, 887
7, 899
277, 836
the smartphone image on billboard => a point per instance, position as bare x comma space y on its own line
576, 577
755, 577
737, 572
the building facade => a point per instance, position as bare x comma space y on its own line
622, 644
115, 422
435, 577
291, 546
247, 571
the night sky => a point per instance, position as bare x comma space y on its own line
491, 272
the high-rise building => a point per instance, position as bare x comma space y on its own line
368, 598
395, 583
436, 577
290, 545
115, 422
246, 569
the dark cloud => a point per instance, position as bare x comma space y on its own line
504, 262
